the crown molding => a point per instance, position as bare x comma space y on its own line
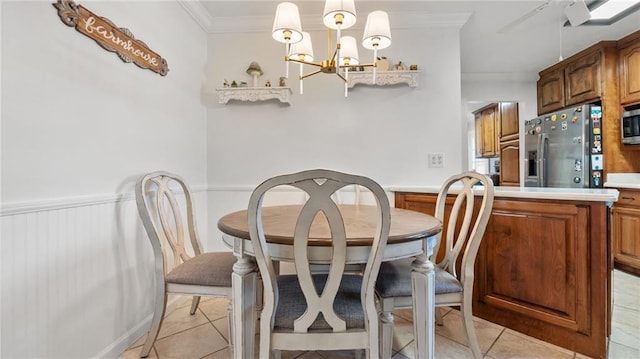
198, 12
256, 24
500, 76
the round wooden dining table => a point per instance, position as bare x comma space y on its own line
408, 237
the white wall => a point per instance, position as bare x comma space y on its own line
78, 127
381, 132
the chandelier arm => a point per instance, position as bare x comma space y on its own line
310, 74
335, 55
359, 65
305, 62
342, 77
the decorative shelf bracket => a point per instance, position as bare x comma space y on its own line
283, 94
384, 78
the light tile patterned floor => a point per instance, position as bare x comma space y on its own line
204, 335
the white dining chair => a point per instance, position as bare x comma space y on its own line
161, 198
463, 205
319, 311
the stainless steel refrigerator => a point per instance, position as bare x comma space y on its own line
564, 149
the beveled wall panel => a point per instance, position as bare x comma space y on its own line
523, 249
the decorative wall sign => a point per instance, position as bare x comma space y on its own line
110, 37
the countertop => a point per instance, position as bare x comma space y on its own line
623, 180
572, 194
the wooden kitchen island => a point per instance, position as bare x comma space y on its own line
545, 263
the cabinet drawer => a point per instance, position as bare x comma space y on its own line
629, 198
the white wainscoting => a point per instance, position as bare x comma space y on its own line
76, 276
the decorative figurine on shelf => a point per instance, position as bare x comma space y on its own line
382, 64
243, 84
267, 84
283, 82
234, 84
400, 66
226, 83
413, 67
254, 70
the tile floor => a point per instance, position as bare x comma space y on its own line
204, 335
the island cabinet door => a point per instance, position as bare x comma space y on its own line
542, 270
626, 231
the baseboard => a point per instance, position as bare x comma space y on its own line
117, 348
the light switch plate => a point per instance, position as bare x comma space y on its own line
436, 160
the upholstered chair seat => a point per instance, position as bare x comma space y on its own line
209, 269
292, 305
393, 282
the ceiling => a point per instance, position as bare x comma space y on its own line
525, 49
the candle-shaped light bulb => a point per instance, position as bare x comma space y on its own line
301, 81
346, 83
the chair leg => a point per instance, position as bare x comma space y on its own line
386, 333
194, 304
472, 339
230, 324
266, 351
439, 319
156, 323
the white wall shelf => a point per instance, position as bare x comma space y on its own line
253, 94
383, 78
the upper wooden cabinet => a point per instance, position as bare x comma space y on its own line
582, 78
479, 135
489, 134
579, 79
551, 91
629, 69
509, 126
486, 131
495, 123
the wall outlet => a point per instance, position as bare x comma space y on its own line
436, 160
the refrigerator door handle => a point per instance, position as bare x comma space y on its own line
543, 138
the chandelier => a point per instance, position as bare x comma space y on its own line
338, 15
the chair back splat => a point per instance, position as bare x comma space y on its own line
468, 235
319, 311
